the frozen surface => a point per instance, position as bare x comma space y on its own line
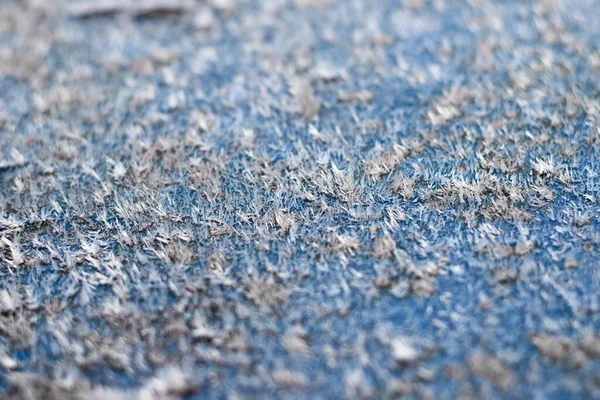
309, 199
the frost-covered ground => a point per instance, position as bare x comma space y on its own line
299, 199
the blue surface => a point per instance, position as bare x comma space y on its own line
501, 58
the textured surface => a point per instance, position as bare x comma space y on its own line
309, 199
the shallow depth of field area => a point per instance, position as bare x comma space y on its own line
309, 199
